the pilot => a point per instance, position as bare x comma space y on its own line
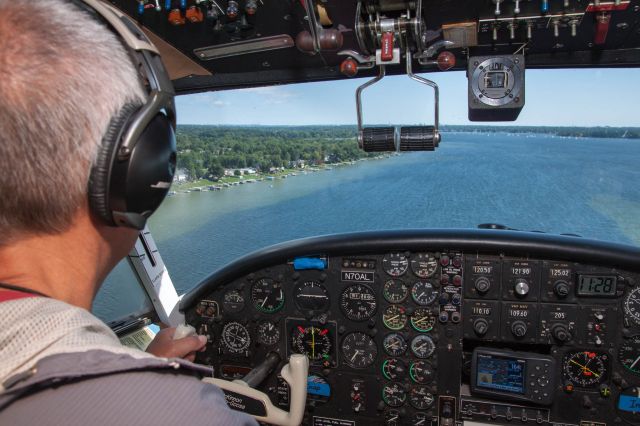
63, 76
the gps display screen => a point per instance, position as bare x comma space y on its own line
501, 373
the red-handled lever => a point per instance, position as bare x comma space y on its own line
602, 28
386, 47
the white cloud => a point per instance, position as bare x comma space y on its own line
273, 95
208, 100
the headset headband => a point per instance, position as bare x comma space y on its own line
147, 57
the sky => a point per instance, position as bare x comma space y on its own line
568, 97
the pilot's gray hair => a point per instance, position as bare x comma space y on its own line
63, 75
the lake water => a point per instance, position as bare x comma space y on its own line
589, 187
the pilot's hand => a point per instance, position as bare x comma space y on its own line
164, 346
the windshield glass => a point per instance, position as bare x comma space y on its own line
262, 166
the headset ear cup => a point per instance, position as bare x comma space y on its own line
100, 178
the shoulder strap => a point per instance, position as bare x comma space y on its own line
56, 370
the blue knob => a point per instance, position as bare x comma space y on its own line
183, 4
544, 7
167, 5
302, 263
140, 7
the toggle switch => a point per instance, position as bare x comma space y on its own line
512, 30
556, 28
497, 2
516, 8
574, 27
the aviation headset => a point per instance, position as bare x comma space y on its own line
136, 160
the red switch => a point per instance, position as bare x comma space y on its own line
175, 17
194, 14
602, 27
386, 50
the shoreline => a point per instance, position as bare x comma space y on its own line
206, 185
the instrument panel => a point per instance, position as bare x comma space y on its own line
435, 336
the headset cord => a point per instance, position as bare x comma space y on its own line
21, 289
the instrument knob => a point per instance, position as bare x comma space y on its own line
561, 289
519, 328
480, 327
482, 285
521, 288
561, 333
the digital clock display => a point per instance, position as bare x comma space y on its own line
597, 285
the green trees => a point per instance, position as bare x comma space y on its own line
208, 150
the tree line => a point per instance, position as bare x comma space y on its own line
206, 151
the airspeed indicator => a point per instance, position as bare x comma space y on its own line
629, 354
267, 295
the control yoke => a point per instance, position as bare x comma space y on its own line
241, 396
409, 138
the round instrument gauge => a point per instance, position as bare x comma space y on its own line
422, 346
420, 419
422, 372
235, 337
392, 418
359, 350
267, 295
632, 305
394, 344
424, 265
420, 397
423, 320
311, 296
395, 264
393, 369
629, 354
233, 301
314, 342
394, 317
423, 293
585, 368
358, 302
395, 291
268, 333
394, 394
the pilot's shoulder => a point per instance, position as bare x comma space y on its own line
142, 396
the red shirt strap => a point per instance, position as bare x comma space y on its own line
6, 295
